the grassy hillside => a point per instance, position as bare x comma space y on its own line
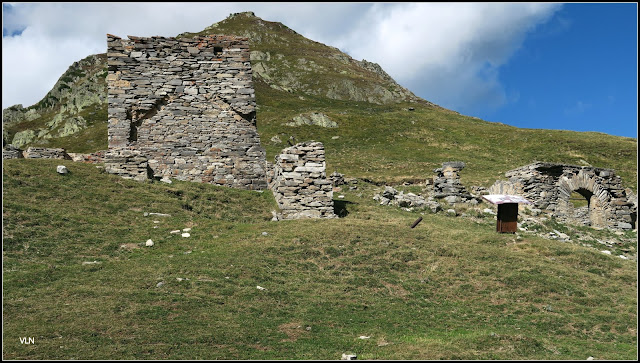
78, 279
389, 143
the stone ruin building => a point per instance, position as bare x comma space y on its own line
185, 109
550, 186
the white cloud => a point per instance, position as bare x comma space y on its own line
577, 109
448, 53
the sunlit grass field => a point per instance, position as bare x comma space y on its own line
78, 279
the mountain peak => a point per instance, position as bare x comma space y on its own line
287, 61
248, 14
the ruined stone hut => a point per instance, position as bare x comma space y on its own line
550, 187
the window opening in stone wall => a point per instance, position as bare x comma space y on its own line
217, 50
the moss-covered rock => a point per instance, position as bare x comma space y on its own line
23, 138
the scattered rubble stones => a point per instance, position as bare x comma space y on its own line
300, 184
337, 179
188, 107
92, 158
61, 169
391, 196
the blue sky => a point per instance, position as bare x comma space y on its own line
577, 72
531, 65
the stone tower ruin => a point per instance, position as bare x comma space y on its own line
183, 109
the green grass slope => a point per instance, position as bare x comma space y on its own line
78, 279
390, 144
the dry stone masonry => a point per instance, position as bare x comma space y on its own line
45, 153
300, 184
550, 186
446, 183
128, 164
11, 152
187, 106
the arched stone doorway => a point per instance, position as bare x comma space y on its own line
585, 184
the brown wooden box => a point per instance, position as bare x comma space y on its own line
507, 218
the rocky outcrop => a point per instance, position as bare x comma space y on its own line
69, 107
300, 184
313, 119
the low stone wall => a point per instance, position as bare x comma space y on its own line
127, 163
300, 184
11, 152
45, 153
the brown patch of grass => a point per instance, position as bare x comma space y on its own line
130, 246
395, 290
260, 347
293, 330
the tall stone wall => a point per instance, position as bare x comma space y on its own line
300, 184
550, 186
188, 106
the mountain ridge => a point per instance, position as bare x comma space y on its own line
76, 102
